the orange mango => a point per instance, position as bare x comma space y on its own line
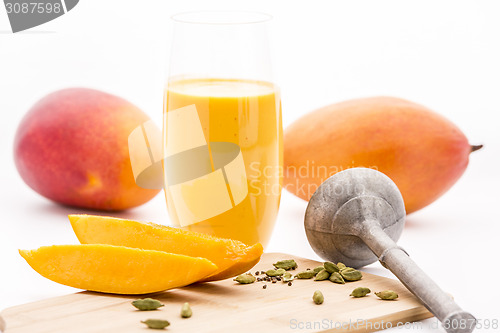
231, 257
420, 150
116, 269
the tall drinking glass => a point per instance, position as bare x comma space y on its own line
222, 129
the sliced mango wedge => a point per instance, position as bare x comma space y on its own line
250, 259
116, 269
230, 256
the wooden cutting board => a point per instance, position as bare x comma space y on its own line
225, 306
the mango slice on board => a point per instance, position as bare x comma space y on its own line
230, 256
116, 269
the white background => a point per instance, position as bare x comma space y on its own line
443, 54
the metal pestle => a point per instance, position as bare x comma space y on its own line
355, 217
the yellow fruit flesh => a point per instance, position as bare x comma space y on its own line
251, 258
116, 269
231, 257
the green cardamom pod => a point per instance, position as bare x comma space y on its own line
387, 294
318, 269
331, 267
360, 292
271, 272
337, 278
318, 297
147, 304
323, 275
245, 278
186, 311
351, 274
341, 266
287, 277
305, 274
275, 272
157, 324
286, 264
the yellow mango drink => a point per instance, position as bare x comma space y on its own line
223, 147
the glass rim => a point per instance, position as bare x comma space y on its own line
215, 17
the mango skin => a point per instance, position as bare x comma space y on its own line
72, 147
421, 151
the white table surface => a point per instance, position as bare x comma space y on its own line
441, 54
